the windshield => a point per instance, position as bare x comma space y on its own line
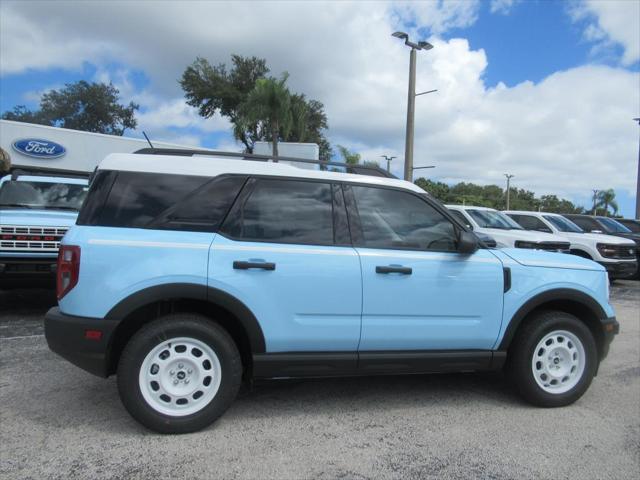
614, 226
48, 195
493, 219
563, 224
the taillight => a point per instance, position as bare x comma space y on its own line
68, 269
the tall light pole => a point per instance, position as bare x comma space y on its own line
595, 197
388, 159
638, 180
509, 177
420, 168
411, 100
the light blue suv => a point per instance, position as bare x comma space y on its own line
186, 274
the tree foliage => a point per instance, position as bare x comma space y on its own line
494, 196
224, 91
606, 199
91, 107
268, 105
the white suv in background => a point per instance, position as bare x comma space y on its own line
616, 254
505, 231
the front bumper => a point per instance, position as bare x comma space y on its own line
67, 336
610, 328
17, 272
621, 269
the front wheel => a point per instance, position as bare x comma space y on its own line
553, 359
178, 374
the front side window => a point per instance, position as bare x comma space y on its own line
284, 211
529, 222
493, 219
587, 224
44, 195
395, 219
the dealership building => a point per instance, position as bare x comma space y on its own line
43, 147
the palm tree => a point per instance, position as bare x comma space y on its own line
269, 103
349, 157
606, 199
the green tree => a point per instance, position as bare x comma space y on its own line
349, 157
439, 190
219, 90
606, 199
269, 105
91, 107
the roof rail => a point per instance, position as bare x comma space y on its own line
356, 169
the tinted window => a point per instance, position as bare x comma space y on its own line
529, 222
563, 224
493, 219
170, 202
613, 226
461, 218
394, 219
44, 195
585, 223
284, 211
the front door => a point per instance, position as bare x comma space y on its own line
419, 293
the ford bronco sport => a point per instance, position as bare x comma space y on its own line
185, 275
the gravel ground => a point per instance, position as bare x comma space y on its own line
59, 422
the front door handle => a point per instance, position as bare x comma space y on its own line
240, 265
394, 269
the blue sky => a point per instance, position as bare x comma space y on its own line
542, 89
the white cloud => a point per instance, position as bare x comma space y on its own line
502, 7
567, 134
612, 22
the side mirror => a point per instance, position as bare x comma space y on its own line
467, 243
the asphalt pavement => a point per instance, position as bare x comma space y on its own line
57, 421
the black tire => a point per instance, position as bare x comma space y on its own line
155, 333
520, 357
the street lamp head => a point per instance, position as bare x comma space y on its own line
425, 45
401, 35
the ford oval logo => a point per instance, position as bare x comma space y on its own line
35, 147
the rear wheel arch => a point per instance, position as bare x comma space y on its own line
151, 303
574, 302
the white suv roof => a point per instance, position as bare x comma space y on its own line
212, 165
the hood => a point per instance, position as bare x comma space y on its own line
38, 218
610, 239
539, 258
631, 236
527, 235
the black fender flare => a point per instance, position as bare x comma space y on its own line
180, 291
556, 294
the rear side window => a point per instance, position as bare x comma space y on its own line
168, 202
529, 222
284, 211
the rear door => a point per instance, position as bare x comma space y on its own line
284, 251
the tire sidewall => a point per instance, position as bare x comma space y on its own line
174, 326
523, 374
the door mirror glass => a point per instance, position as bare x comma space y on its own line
467, 243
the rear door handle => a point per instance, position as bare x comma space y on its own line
240, 265
394, 269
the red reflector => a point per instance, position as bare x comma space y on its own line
92, 334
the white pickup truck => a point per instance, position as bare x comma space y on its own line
616, 254
505, 231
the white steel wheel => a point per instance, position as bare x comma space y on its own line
180, 376
558, 362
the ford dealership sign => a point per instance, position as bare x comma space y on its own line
34, 147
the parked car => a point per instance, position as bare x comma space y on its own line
35, 213
617, 255
607, 226
199, 272
630, 223
505, 231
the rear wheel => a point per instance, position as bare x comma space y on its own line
553, 359
178, 374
